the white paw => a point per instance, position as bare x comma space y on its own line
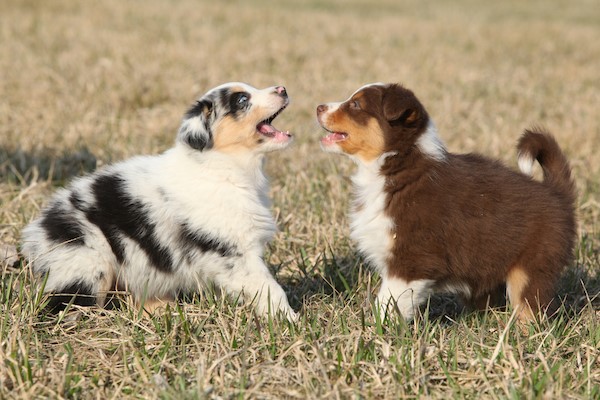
276, 308
291, 315
406, 297
386, 307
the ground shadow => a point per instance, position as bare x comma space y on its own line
328, 276
20, 167
342, 276
578, 289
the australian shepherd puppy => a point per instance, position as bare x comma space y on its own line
159, 226
429, 220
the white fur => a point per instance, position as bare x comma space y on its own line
332, 107
407, 296
525, 162
370, 227
430, 143
224, 195
461, 288
373, 231
366, 86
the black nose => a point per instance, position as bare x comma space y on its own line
321, 108
281, 90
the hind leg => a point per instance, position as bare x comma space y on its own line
106, 283
517, 282
529, 294
75, 274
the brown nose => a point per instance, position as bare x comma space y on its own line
321, 108
281, 90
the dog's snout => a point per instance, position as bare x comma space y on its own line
281, 90
321, 108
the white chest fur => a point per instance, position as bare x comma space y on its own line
370, 227
221, 197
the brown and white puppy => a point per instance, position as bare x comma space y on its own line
158, 226
429, 220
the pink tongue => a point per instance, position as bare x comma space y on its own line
336, 136
266, 128
273, 133
333, 138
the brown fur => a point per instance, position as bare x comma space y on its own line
466, 219
245, 137
366, 142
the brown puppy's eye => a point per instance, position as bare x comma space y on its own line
355, 104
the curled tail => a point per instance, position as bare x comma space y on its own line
538, 144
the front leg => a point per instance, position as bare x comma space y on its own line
251, 277
406, 296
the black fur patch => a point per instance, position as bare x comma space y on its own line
232, 102
61, 227
200, 140
224, 96
78, 292
197, 142
206, 242
201, 107
76, 201
116, 214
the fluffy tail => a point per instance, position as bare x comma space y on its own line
538, 144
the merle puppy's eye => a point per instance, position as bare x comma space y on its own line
239, 101
242, 99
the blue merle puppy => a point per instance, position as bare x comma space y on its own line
158, 226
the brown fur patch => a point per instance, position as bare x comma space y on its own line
151, 306
232, 135
364, 141
107, 284
516, 283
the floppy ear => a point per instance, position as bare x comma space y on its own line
397, 110
196, 130
404, 117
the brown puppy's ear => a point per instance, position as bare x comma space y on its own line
398, 106
403, 117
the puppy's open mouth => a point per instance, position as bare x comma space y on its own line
265, 128
333, 137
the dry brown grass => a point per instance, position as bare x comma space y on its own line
88, 83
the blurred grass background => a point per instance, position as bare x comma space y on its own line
84, 84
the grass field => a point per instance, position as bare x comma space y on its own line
87, 83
